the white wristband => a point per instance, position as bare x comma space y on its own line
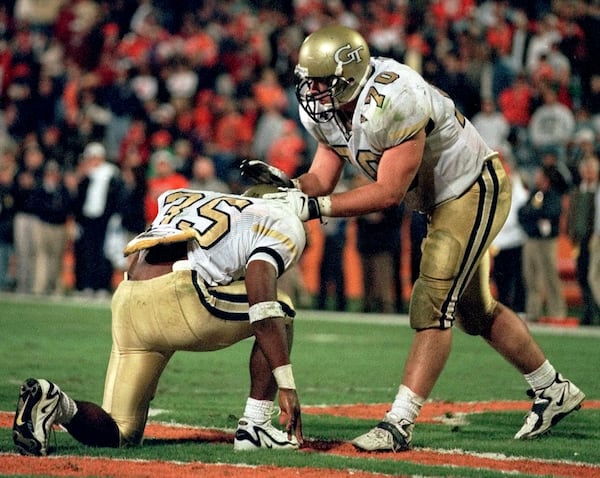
265, 310
324, 205
284, 377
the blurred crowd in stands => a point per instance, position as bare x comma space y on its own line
105, 104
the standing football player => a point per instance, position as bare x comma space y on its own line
413, 145
203, 277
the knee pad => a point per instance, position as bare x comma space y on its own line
425, 306
439, 266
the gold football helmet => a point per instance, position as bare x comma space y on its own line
333, 65
259, 190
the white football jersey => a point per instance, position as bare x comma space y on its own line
395, 103
225, 232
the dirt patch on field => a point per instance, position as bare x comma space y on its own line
72, 466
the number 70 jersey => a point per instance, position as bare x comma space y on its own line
225, 232
394, 104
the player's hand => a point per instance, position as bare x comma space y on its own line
263, 173
305, 207
290, 414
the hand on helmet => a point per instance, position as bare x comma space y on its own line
263, 173
306, 207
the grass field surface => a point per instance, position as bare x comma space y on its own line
347, 369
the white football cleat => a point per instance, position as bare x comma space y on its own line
253, 436
391, 434
550, 405
37, 408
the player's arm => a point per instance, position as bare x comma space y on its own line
397, 169
324, 172
273, 340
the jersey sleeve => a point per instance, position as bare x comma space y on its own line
395, 111
278, 239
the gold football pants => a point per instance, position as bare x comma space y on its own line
453, 283
151, 319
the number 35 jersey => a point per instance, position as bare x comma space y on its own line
395, 103
225, 232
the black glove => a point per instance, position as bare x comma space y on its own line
263, 173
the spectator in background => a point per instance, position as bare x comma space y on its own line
29, 178
160, 140
93, 116
39, 15
165, 176
454, 82
286, 151
181, 81
594, 272
123, 104
583, 146
592, 101
564, 180
580, 228
183, 149
492, 125
331, 270
7, 212
136, 138
45, 103
98, 196
520, 38
552, 125
545, 35
51, 142
269, 127
204, 176
133, 174
378, 240
22, 80
540, 217
507, 247
54, 203
516, 103
232, 139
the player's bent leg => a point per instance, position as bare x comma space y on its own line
92, 426
509, 336
130, 385
550, 405
42, 404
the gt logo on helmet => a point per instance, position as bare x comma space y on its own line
351, 56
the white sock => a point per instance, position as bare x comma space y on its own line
67, 408
407, 404
542, 377
258, 411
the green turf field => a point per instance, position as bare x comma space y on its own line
338, 359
